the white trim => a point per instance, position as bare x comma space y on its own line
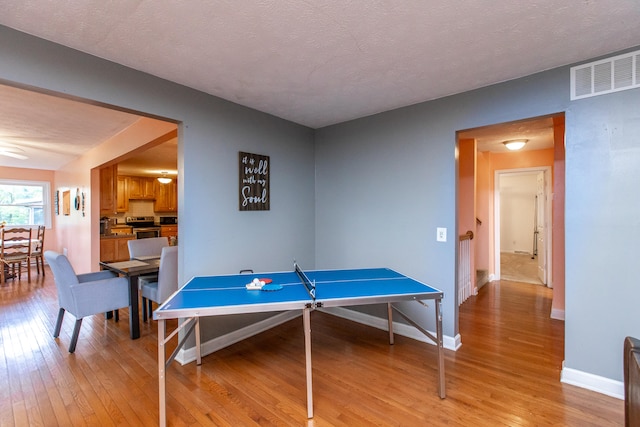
557, 314
450, 343
592, 382
548, 220
47, 204
189, 355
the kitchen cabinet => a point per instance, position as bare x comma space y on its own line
114, 248
169, 231
166, 197
108, 190
122, 194
122, 229
141, 188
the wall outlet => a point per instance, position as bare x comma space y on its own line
441, 234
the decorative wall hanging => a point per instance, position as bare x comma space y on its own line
56, 202
76, 201
254, 182
66, 202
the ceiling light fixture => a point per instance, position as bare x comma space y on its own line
515, 144
164, 179
13, 152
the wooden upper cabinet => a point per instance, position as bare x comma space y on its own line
141, 188
166, 197
108, 190
122, 198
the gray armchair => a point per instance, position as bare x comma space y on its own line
166, 284
85, 294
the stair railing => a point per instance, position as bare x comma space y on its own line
465, 284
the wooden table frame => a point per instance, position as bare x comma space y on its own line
132, 274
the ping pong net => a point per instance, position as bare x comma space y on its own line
311, 286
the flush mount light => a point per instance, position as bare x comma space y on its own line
164, 179
515, 144
14, 152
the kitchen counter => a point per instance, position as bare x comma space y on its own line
117, 236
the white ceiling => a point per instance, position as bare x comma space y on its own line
317, 62
537, 132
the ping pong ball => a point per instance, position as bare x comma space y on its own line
261, 282
256, 281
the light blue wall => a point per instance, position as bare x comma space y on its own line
602, 231
385, 182
382, 184
214, 236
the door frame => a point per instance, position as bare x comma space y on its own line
547, 212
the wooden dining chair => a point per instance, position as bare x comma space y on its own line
37, 252
15, 249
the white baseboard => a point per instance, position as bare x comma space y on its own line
557, 314
450, 343
592, 382
570, 376
189, 355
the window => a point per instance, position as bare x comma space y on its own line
25, 203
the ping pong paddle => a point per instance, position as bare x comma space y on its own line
265, 280
271, 287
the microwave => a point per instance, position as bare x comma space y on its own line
168, 220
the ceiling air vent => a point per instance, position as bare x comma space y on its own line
614, 74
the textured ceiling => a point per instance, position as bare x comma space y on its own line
323, 62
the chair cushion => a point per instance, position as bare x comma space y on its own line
146, 278
150, 291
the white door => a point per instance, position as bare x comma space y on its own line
540, 228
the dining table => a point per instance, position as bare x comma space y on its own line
132, 270
8, 244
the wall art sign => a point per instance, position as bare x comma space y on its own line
254, 182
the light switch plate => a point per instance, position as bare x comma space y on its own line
441, 234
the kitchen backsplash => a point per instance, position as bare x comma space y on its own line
137, 208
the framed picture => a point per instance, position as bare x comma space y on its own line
254, 182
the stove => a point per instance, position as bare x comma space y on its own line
143, 226
140, 221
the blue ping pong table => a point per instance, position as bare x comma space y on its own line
306, 291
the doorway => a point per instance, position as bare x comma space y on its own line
485, 150
523, 225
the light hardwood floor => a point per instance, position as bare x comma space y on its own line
505, 374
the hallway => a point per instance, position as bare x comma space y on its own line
519, 267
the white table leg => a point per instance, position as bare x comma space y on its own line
390, 320
161, 373
441, 381
306, 318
